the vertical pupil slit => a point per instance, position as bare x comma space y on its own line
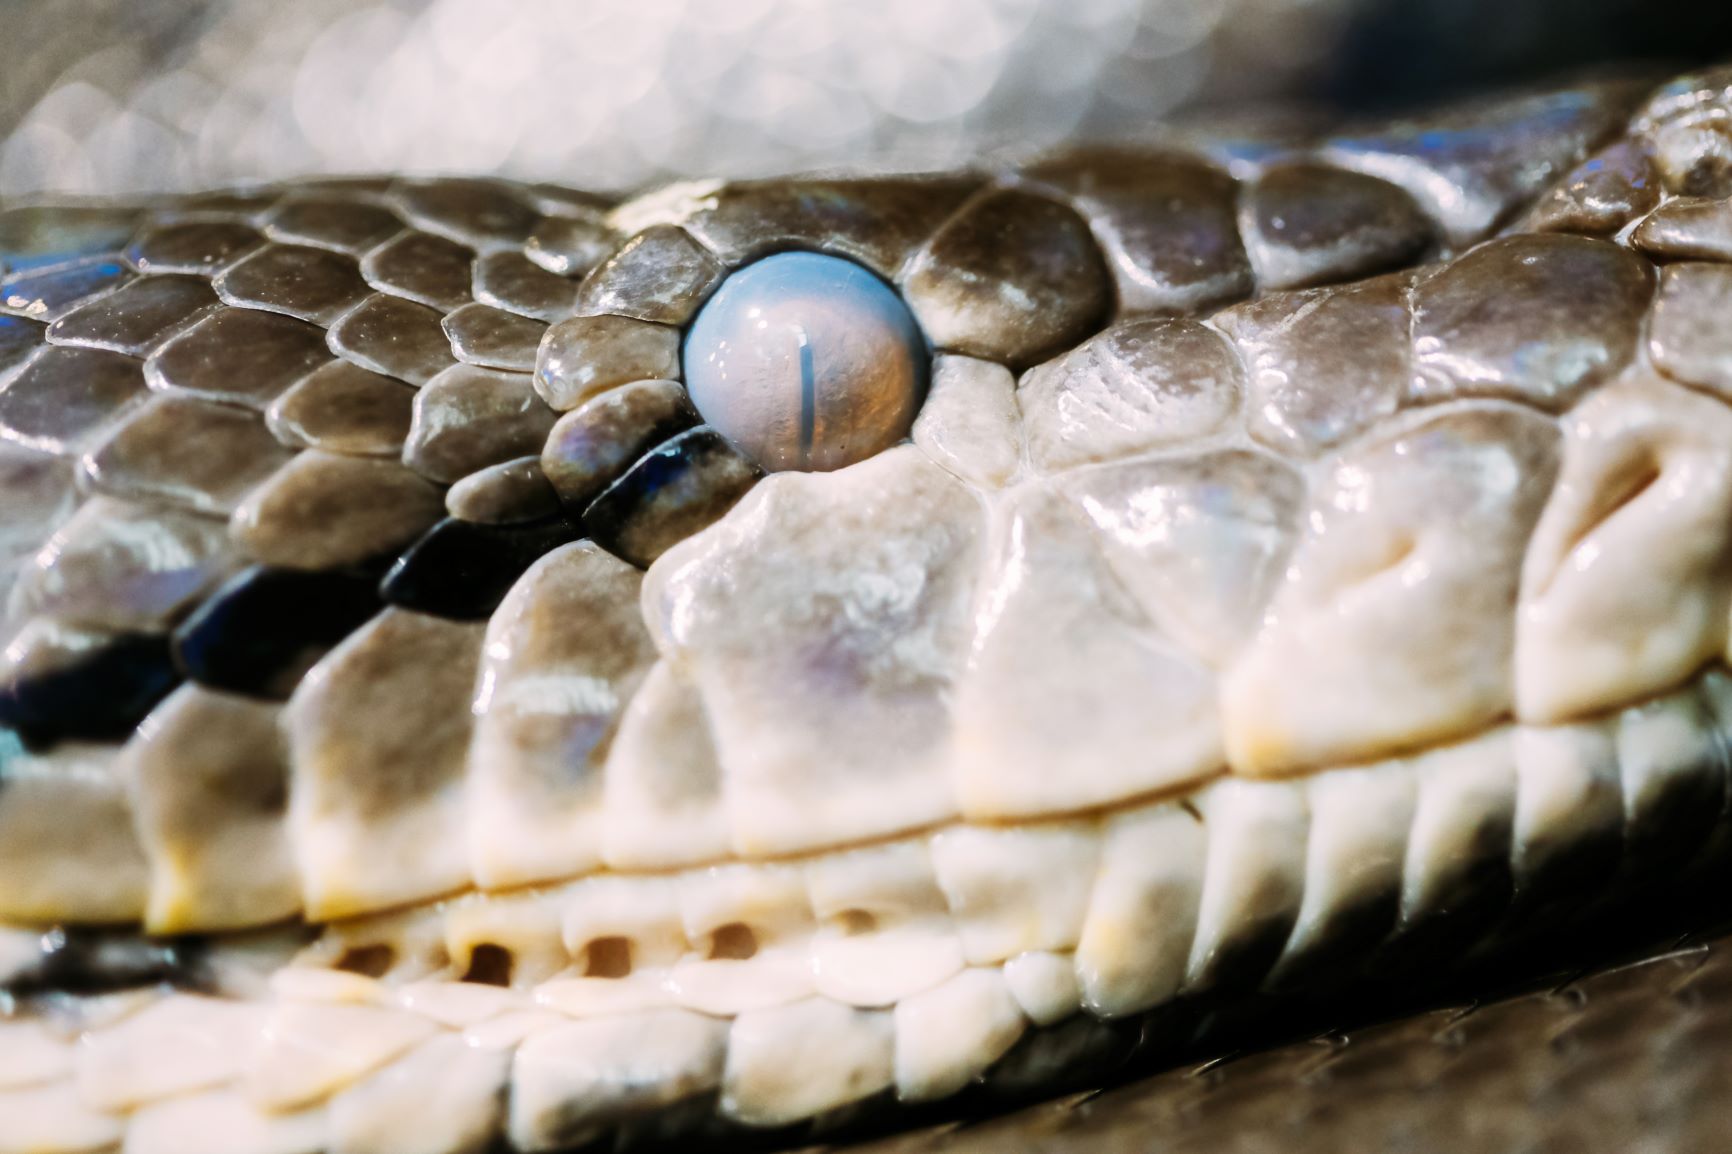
808, 402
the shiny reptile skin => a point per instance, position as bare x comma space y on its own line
451, 286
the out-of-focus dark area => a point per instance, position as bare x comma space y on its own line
132, 95
1393, 53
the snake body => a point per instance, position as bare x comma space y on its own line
425, 732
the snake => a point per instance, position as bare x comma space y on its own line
749, 663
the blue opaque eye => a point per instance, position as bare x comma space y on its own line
806, 362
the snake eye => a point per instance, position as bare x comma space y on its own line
806, 362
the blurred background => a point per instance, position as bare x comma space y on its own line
109, 96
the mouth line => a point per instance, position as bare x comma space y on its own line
978, 965
81, 959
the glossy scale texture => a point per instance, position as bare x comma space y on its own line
1222, 631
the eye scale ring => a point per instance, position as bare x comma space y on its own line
806, 361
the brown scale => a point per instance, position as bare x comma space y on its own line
421, 267
511, 281
494, 338
145, 458
468, 418
238, 356
345, 409
662, 275
313, 284
394, 336
352, 226
139, 318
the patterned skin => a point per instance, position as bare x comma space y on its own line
423, 729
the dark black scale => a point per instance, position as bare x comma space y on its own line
464, 569
19, 338
674, 491
90, 961
101, 694
265, 627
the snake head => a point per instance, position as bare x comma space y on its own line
491, 659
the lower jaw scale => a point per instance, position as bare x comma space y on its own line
809, 995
